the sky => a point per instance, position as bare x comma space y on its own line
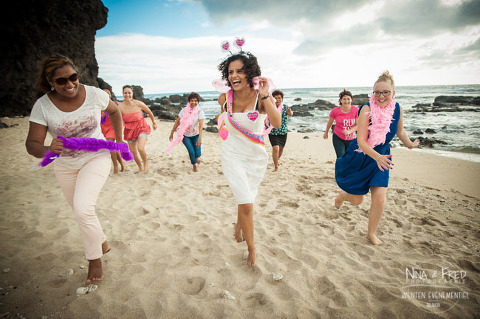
174, 46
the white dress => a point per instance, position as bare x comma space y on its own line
244, 162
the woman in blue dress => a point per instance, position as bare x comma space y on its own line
366, 164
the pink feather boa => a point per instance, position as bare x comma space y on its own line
381, 118
90, 145
185, 122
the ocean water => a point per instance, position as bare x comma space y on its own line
460, 130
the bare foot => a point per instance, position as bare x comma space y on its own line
145, 168
105, 247
95, 272
198, 160
237, 233
115, 169
339, 200
195, 167
252, 257
374, 239
275, 169
139, 170
122, 168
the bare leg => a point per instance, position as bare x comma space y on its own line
113, 155
379, 196
95, 271
245, 220
133, 149
280, 152
141, 149
120, 160
195, 167
275, 156
343, 196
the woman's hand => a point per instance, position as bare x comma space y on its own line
154, 124
415, 144
171, 137
199, 141
56, 146
263, 86
384, 162
325, 135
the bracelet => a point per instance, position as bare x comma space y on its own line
378, 157
266, 96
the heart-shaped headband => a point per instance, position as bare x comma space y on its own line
239, 42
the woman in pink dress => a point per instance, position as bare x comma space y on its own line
136, 129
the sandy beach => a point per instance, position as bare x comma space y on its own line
174, 256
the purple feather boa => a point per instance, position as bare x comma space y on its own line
90, 145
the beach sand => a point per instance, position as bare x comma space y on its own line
173, 253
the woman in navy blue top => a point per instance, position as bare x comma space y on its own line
366, 164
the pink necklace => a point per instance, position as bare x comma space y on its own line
380, 117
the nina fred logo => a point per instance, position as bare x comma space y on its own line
435, 290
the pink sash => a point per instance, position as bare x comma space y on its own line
223, 131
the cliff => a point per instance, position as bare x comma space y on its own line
35, 29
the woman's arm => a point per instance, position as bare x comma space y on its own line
35, 139
221, 100
116, 119
147, 110
402, 134
329, 125
289, 111
175, 126
200, 132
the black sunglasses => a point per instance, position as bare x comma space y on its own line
63, 81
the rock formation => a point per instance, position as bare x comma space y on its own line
35, 29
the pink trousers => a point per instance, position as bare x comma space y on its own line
81, 188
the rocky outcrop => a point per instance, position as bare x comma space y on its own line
33, 30
303, 109
449, 104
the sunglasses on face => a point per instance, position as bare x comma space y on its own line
63, 81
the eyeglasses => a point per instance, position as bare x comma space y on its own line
384, 93
63, 81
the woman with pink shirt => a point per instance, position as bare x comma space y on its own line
345, 117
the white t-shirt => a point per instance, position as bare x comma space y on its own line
193, 129
83, 122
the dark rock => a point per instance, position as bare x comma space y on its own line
297, 99
417, 132
212, 129
33, 30
429, 142
459, 100
360, 99
430, 131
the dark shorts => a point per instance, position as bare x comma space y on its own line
279, 140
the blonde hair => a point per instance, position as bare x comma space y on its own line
384, 77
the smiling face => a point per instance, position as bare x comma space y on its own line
385, 98
128, 94
236, 75
346, 100
70, 88
278, 99
193, 102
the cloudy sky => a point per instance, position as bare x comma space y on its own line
170, 46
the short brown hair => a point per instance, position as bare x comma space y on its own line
277, 92
46, 71
193, 95
343, 93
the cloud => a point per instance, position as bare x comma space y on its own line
319, 26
